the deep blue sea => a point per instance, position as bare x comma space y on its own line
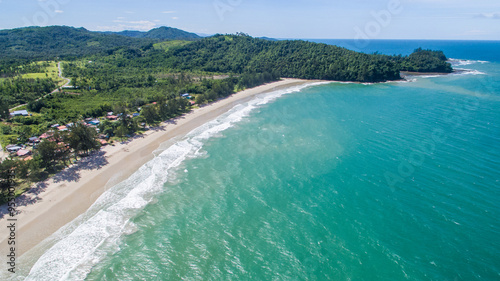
336, 181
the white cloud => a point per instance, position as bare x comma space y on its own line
59, 11
175, 18
487, 16
141, 25
169, 12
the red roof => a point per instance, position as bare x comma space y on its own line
112, 117
23, 152
46, 136
62, 128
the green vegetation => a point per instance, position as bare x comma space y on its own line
20, 91
165, 46
426, 61
162, 33
45, 43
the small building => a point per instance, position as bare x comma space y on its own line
135, 114
28, 158
46, 135
23, 152
185, 95
55, 126
34, 140
20, 113
62, 128
192, 102
13, 148
94, 122
103, 142
109, 114
112, 117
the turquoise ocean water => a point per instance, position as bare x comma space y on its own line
393, 181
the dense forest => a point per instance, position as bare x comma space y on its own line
162, 33
65, 42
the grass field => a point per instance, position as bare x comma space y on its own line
50, 72
169, 44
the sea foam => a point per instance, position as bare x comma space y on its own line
77, 247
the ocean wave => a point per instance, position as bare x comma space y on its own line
460, 62
83, 243
463, 71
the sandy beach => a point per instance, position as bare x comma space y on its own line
52, 204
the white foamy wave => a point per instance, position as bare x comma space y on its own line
459, 62
462, 71
86, 241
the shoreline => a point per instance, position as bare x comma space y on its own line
52, 204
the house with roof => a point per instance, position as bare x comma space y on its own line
94, 122
20, 113
62, 128
23, 153
13, 148
46, 135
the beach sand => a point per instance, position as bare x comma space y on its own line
56, 202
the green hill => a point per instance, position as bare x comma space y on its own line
60, 41
161, 33
294, 59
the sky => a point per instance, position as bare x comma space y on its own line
304, 19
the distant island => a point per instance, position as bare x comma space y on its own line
122, 83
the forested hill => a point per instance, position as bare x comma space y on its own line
60, 41
229, 54
162, 33
294, 59
298, 59
67, 42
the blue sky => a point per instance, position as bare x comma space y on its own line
351, 19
